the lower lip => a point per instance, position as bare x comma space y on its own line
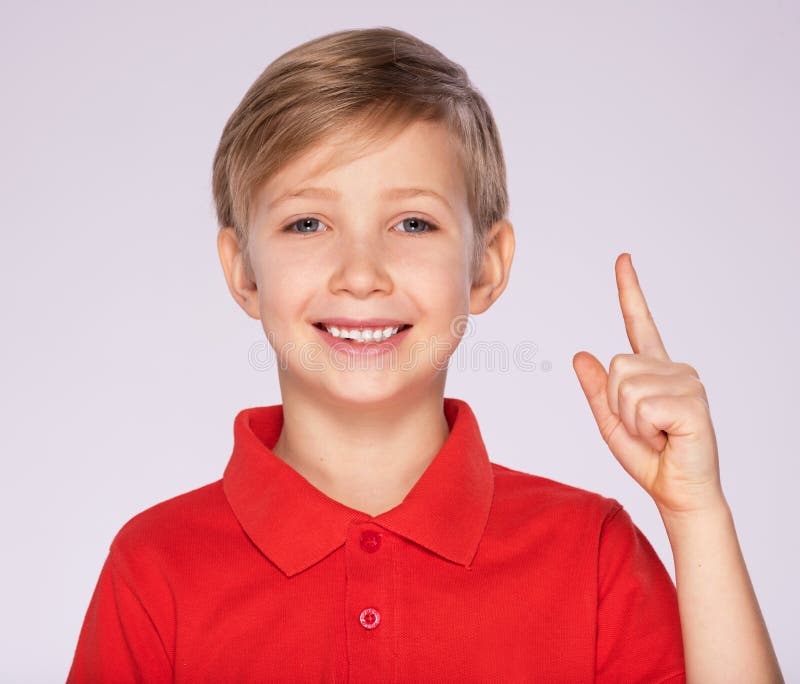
361, 349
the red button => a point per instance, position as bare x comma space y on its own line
370, 540
370, 618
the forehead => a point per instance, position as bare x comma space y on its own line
422, 155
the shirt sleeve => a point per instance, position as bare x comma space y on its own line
638, 624
119, 641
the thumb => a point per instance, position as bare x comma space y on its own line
594, 382
627, 449
593, 379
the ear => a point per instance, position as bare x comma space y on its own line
498, 255
238, 273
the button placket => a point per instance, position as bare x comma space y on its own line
370, 541
369, 603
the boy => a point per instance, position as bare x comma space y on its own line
360, 531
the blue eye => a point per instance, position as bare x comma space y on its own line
413, 219
304, 222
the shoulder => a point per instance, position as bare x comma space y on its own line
545, 498
176, 527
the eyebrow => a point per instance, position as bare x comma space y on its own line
391, 194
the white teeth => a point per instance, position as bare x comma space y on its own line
363, 335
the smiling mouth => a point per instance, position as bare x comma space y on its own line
356, 335
322, 326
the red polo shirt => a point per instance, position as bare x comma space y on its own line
481, 574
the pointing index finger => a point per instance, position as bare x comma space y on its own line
639, 324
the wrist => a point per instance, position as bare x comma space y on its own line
712, 509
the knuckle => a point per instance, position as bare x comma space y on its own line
696, 386
626, 387
690, 369
701, 403
618, 361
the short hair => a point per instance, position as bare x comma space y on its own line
369, 81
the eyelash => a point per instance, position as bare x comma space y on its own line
432, 227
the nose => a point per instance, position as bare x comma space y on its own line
361, 267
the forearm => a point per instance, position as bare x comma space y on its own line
725, 637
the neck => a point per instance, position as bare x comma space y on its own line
365, 457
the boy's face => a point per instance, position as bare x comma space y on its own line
358, 256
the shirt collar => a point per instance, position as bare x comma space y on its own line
295, 524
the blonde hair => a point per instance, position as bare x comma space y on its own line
369, 81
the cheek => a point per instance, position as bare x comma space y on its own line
442, 294
283, 293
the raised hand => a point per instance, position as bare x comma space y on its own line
653, 412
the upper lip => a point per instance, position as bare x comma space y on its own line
363, 323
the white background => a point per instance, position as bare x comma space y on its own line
668, 130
